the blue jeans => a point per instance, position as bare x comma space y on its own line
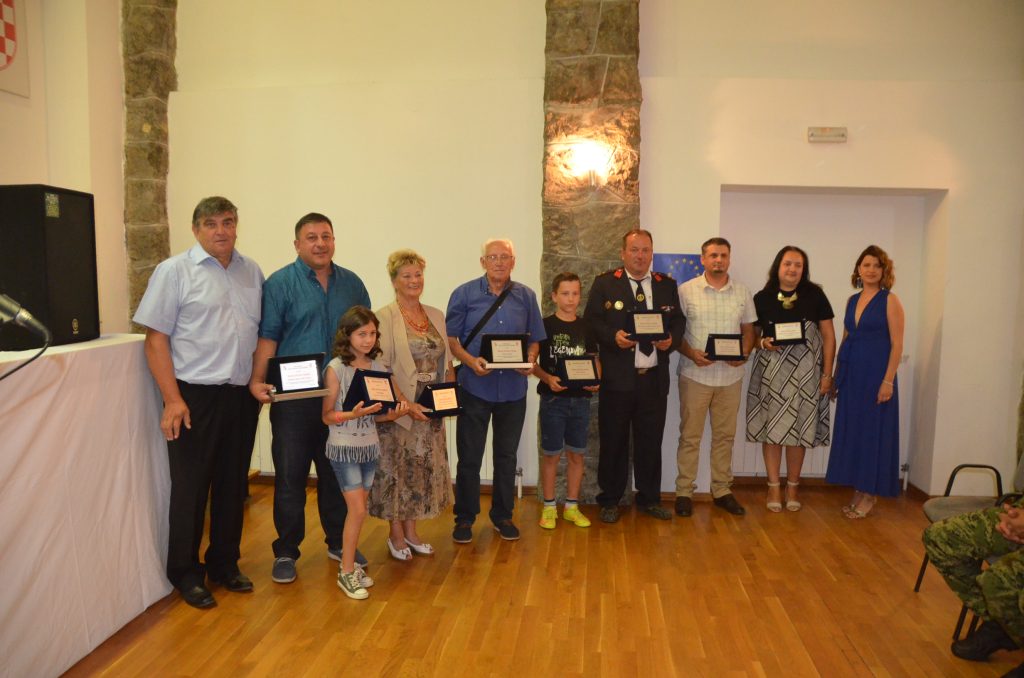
470, 439
564, 423
352, 475
300, 437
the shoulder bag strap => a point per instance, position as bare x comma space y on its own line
487, 316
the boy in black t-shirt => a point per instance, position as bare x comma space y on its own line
564, 412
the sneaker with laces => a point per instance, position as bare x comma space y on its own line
463, 533
548, 517
655, 511
364, 579
335, 554
283, 571
575, 516
349, 583
609, 514
507, 530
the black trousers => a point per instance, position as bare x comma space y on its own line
300, 437
620, 413
211, 459
507, 420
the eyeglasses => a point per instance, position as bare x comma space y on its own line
492, 258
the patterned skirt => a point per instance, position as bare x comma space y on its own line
412, 480
784, 406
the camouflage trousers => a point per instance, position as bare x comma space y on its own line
957, 548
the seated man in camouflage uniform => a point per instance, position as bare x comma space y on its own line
957, 547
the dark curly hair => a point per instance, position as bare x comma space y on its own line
354, 318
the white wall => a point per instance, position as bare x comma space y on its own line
932, 95
69, 132
828, 224
421, 124
409, 124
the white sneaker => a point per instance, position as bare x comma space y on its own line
364, 578
349, 583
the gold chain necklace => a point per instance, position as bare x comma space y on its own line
420, 327
787, 302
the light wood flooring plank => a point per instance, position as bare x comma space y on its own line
792, 594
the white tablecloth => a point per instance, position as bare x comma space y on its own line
83, 498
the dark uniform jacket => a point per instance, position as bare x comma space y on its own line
611, 298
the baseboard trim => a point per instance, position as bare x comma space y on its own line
916, 493
264, 477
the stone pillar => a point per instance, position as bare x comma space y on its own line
148, 43
591, 92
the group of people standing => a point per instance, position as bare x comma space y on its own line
790, 386
213, 324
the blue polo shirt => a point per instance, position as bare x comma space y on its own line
299, 315
519, 314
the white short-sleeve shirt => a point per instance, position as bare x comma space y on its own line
713, 311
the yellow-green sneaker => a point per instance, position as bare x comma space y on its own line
548, 517
573, 515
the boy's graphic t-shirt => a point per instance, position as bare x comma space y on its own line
565, 340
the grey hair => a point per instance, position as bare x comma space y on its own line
211, 206
497, 241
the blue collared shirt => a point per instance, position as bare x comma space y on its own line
210, 313
299, 315
519, 314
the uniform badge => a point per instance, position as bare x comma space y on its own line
607, 305
640, 297
618, 305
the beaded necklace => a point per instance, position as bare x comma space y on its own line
419, 327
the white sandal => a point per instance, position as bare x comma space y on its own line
399, 554
793, 505
422, 549
774, 506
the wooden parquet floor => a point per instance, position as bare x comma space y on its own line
792, 594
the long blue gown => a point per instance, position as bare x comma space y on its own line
866, 436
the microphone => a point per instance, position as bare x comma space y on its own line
12, 311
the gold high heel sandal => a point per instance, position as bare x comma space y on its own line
774, 506
792, 505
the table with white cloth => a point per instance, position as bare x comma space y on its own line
84, 490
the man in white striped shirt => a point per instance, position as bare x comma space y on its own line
713, 303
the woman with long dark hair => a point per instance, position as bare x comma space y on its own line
787, 400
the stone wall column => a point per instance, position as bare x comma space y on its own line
591, 92
148, 43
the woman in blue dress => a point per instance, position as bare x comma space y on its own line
865, 439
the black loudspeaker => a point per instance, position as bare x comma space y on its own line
48, 263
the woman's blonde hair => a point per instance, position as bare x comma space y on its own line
888, 268
400, 258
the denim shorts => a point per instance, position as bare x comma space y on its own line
352, 475
564, 422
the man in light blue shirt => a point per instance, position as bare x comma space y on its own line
302, 304
201, 311
499, 394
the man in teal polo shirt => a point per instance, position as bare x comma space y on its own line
302, 304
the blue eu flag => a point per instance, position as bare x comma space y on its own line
681, 267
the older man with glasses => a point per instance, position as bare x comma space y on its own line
490, 304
